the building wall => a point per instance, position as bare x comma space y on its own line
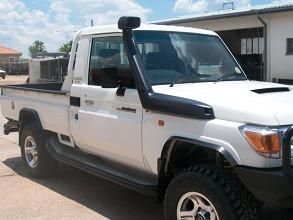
6, 58
280, 27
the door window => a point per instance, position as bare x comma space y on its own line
108, 54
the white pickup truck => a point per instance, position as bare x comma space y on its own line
163, 110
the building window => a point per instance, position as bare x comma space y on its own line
249, 46
255, 43
243, 46
252, 45
11, 59
289, 46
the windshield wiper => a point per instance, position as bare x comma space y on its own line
225, 76
182, 79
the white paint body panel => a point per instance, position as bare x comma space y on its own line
52, 108
108, 131
235, 100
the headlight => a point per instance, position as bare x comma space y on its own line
264, 140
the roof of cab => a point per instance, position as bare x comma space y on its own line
106, 29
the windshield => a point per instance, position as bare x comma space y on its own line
171, 57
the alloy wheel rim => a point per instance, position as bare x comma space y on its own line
30, 151
195, 206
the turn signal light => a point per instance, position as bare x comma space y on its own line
265, 141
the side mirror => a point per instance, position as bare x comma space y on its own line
128, 23
109, 78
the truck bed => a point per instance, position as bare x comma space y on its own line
47, 100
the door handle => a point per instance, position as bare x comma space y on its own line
126, 109
89, 102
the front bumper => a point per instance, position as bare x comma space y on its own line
268, 185
272, 185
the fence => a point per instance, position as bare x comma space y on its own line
15, 68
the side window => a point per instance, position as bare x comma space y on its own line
108, 55
150, 53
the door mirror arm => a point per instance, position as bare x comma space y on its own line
121, 90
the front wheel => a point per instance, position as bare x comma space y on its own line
35, 156
206, 193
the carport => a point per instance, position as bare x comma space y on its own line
247, 45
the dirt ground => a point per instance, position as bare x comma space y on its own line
73, 194
13, 79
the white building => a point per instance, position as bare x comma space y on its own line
260, 37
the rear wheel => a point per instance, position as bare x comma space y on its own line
206, 193
36, 158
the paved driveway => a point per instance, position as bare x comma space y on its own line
73, 194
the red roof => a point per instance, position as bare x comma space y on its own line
8, 51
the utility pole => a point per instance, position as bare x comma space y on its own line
92, 22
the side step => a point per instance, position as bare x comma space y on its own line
117, 173
11, 126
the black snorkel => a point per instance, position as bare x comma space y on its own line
149, 99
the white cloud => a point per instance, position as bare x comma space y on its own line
101, 11
189, 6
201, 6
20, 25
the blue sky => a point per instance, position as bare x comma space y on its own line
55, 21
161, 9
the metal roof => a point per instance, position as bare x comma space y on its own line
9, 51
256, 9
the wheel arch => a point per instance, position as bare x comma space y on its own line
168, 149
27, 116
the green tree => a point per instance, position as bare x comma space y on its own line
66, 47
37, 46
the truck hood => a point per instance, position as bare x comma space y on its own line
240, 101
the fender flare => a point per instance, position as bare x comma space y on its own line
34, 117
167, 149
163, 161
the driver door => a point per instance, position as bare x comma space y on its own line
110, 124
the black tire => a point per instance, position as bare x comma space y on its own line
3, 76
45, 164
219, 187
